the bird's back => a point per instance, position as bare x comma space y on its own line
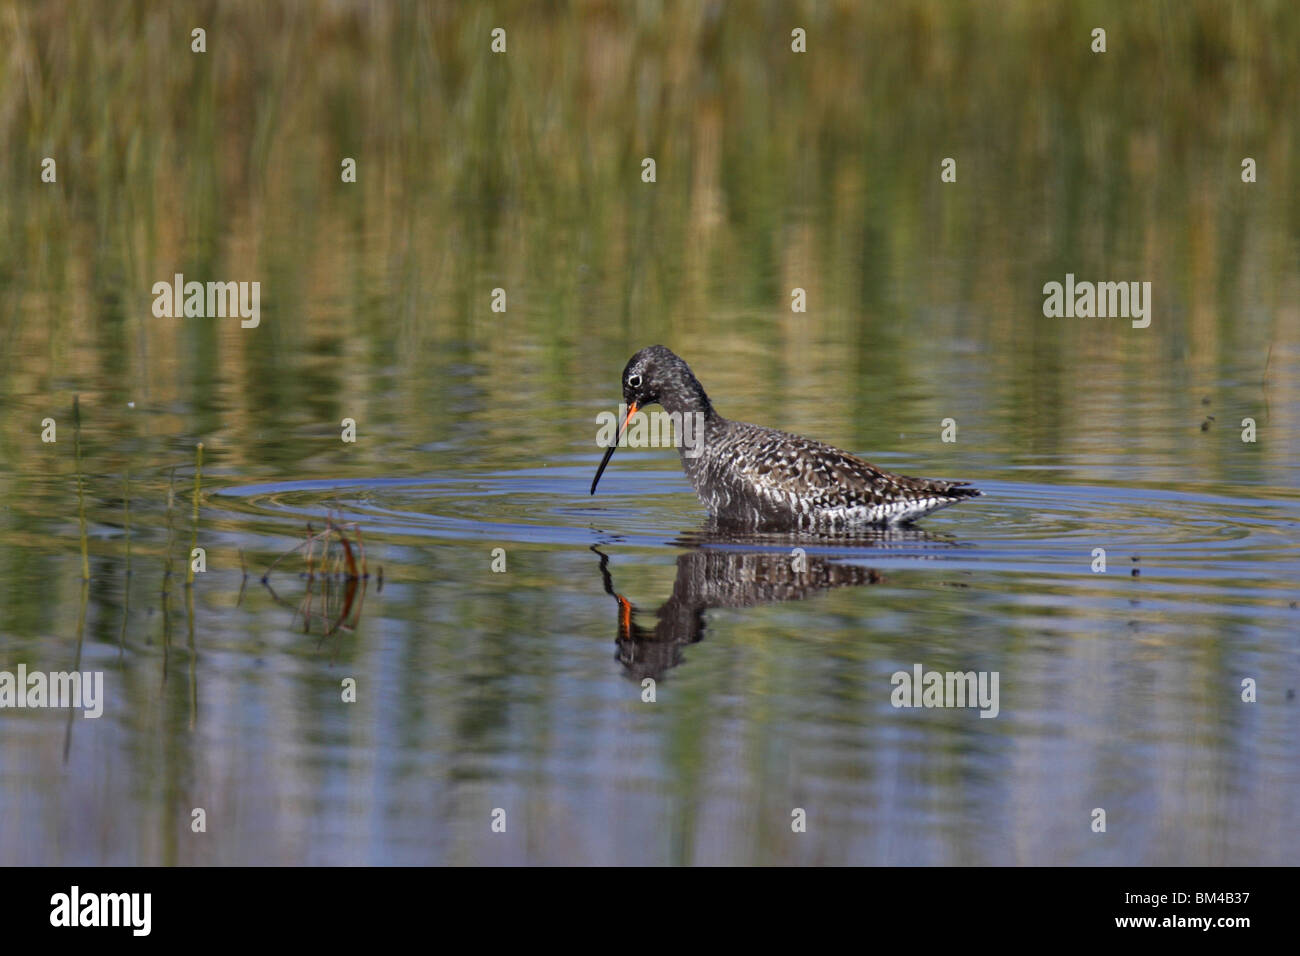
758, 476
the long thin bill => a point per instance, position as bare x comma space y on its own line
609, 452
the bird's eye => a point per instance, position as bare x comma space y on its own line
634, 381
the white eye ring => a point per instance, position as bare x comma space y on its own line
634, 381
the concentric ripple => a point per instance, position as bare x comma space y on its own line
1016, 526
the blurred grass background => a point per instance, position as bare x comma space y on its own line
775, 170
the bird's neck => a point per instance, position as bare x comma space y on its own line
686, 397
697, 422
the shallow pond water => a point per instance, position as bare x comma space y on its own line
522, 689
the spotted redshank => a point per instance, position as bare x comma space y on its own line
759, 477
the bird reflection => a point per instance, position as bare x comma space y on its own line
728, 570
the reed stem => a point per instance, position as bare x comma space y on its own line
81, 494
194, 537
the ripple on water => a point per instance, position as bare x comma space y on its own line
1016, 526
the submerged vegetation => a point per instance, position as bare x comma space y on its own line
336, 577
